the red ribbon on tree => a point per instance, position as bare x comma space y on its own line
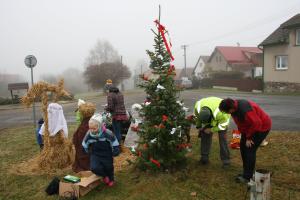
171, 70
139, 154
190, 118
183, 146
155, 162
162, 31
164, 118
161, 126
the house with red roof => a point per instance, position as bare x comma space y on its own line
235, 58
282, 57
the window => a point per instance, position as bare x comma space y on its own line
281, 62
298, 37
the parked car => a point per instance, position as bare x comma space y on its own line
186, 83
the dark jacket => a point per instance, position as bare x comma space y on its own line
104, 137
82, 160
250, 118
115, 104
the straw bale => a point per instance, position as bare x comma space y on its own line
57, 153
87, 109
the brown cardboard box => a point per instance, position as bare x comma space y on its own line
88, 182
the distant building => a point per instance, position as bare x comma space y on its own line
181, 72
199, 67
244, 59
281, 51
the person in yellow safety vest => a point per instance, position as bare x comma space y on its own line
209, 119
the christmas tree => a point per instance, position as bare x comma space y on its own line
163, 132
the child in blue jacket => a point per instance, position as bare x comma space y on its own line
39, 138
102, 145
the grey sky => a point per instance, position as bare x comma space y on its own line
60, 33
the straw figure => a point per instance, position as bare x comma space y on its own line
57, 152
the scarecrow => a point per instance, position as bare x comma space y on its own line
57, 152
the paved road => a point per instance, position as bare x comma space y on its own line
284, 110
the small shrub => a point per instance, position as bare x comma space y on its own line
196, 83
206, 83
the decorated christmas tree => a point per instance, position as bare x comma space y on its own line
164, 131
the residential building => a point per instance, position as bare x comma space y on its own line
235, 58
199, 67
281, 50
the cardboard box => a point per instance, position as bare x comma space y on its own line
88, 182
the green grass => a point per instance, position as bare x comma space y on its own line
281, 156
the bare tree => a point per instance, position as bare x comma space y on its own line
102, 52
96, 75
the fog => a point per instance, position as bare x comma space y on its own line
61, 33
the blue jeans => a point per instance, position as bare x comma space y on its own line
117, 129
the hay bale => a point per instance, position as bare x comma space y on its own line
87, 109
122, 161
58, 153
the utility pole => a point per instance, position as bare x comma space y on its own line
184, 55
141, 69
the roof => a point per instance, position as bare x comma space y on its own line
204, 58
293, 22
237, 54
281, 34
17, 86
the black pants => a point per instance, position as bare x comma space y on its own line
249, 154
102, 167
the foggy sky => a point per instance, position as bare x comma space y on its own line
60, 33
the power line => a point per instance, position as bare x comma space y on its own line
245, 28
250, 26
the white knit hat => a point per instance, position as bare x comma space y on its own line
80, 102
98, 118
136, 107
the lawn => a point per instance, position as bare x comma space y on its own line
281, 157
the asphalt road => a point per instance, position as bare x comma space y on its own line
284, 110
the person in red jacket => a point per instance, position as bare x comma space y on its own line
254, 124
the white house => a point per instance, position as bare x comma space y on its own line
200, 65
